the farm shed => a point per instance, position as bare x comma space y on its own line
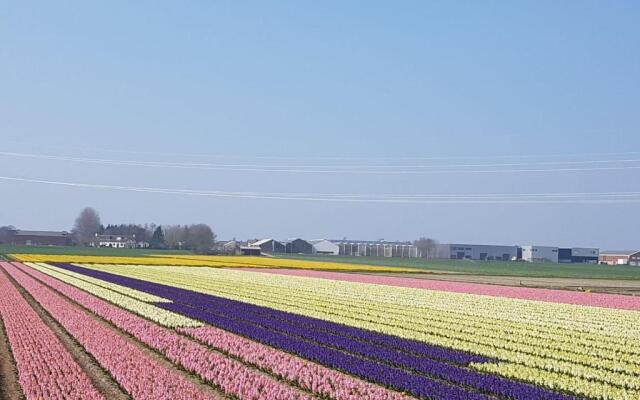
323, 246
40, 238
298, 246
230, 247
269, 246
620, 257
250, 251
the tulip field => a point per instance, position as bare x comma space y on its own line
92, 328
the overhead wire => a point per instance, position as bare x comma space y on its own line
570, 166
535, 198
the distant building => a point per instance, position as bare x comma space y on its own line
298, 246
323, 246
117, 242
40, 238
231, 247
482, 252
578, 255
622, 257
269, 246
366, 248
250, 251
540, 254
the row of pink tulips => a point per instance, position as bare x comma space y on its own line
139, 374
232, 376
548, 295
45, 368
311, 376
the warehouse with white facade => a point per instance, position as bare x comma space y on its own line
540, 254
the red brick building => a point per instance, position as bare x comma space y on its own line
627, 257
40, 238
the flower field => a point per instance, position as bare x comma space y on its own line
212, 261
162, 331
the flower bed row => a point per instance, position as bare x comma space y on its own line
46, 370
209, 261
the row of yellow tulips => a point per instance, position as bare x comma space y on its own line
211, 261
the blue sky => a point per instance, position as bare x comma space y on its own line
373, 83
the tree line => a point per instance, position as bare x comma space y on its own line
199, 238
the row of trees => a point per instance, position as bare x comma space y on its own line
198, 237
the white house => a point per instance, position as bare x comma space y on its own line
117, 242
323, 246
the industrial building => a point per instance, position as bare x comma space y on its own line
456, 251
622, 257
323, 246
540, 254
578, 255
367, 248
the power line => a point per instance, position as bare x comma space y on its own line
536, 198
367, 169
320, 157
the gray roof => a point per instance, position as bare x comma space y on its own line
619, 252
42, 233
263, 241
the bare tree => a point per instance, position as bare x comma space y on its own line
427, 247
200, 238
86, 226
174, 236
